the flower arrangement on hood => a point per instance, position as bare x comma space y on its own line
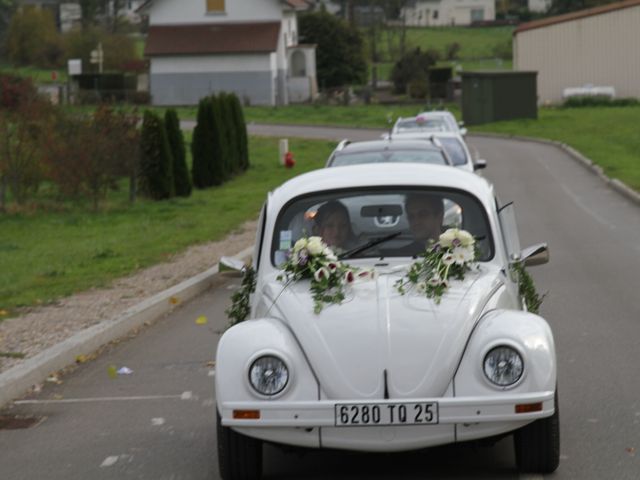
450, 257
312, 259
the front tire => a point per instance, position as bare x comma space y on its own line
239, 456
537, 445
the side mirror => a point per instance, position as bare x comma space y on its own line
463, 131
479, 164
535, 255
231, 267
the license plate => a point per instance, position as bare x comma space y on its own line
379, 414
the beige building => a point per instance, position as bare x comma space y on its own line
595, 47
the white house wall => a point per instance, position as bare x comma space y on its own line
175, 12
184, 80
601, 50
450, 12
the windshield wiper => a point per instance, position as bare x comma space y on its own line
368, 245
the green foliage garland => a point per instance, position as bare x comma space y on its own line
240, 307
527, 289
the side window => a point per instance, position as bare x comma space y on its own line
507, 216
262, 220
215, 6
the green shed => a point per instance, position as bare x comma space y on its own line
492, 96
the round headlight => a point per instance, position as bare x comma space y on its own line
268, 375
503, 366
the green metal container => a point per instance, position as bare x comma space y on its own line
493, 96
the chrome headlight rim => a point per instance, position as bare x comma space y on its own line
274, 355
492, 349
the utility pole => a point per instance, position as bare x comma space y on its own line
97, 56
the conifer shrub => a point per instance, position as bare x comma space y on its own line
241, 132
219, 136
202, 146
156, 162
233, 154
181, 180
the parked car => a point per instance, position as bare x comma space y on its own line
448, 117
379, 363
414, 150
453, 144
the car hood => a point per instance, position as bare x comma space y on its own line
376, 332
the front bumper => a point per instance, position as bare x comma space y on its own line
461, 410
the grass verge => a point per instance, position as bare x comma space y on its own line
606, 135
45, 255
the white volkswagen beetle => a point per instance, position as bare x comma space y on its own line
404, 349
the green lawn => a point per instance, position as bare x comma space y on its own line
607, 135
50, 254
38, 75
369, 116
475, 43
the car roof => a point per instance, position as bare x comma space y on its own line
389, 144
382, 175
415, 135
436, 113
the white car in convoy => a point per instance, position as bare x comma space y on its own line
410, 150
381, 348
452, 143
433, 120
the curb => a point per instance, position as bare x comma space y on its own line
617, 185
18, 379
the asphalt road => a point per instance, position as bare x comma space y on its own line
158, 422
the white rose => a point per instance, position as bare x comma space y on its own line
466, 239
327, 252
447, 237
315, 245
300, 244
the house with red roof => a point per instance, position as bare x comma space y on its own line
249, 47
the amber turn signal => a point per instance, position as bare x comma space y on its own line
529, 407
246, 414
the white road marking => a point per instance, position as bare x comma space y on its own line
581, 205
186, 396
109, 461
156, 422
211, 373
101, 399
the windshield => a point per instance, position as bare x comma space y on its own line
386, 156
406, 220
455, 150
